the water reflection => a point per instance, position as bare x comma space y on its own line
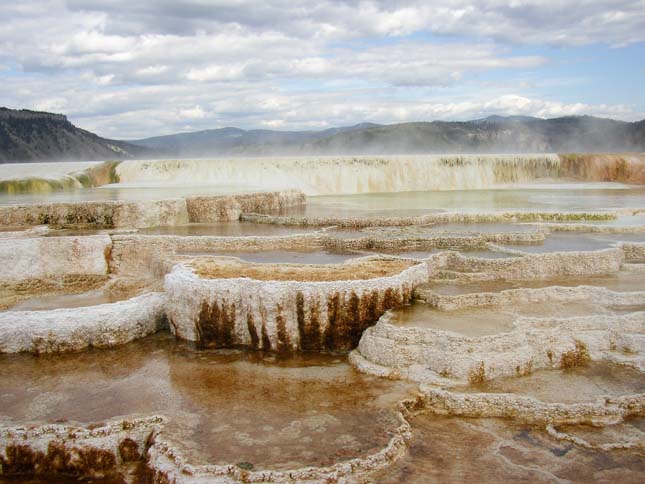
224, 406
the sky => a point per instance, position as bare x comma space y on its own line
130, 69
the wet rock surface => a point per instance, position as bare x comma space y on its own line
451, 449
509, 333
222, 406
583, 382
223, 304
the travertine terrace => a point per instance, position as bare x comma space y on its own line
356, 302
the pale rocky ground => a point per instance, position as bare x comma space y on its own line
561, 323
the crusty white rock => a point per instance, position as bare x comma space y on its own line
73, 329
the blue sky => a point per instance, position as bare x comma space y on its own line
129, 69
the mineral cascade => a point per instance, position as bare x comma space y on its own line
324, 320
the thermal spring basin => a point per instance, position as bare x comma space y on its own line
225, 229
430, 231
631, 430
622, 281
553, 198
568, 242
481, 321
424, 254
213, 268
131, 192
484, 228
620, 221
223, 406
83, 299
453, 449
285, 256
572, 385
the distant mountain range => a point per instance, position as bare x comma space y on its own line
235, 141
34, 136
495, 134
31, 136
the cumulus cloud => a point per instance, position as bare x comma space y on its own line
557, 22
138, 68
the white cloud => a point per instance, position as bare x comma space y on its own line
134, 69
558, 22
152, 70
191, 113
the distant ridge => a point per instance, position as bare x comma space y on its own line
494, 134
32, 135
239, 141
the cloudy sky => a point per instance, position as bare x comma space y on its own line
133, 68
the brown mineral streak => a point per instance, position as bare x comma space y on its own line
283, 344
59, 459
216, 325
250, 324
308, 327
628, 168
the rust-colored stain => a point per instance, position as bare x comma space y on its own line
348, 315
333, 309
129, 450
59, 460
603, 167
308, 324
266, 341
283, 344
250, 324
216, 325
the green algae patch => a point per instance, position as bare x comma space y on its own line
38, 185
95, 176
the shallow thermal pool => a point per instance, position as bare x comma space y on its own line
139, 192
552, 198
285, 256
481, 321
574, 385
83, 299
430, 231
462, 450
226, 229
424, 254
619, 221
568, 242
622, 281
224, 406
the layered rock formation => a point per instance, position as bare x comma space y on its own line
371, 174
223, 302
122, 213
284, 315
74, 329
